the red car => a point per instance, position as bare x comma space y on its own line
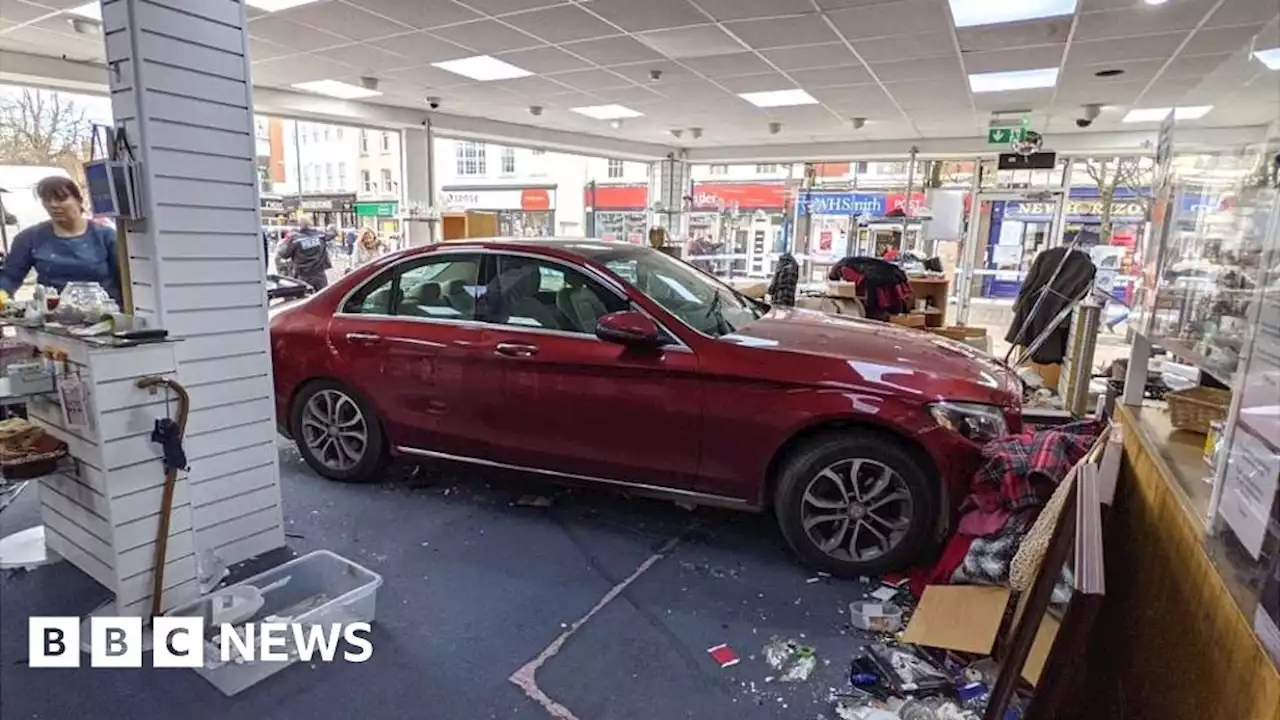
616, 364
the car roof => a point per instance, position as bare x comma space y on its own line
555, 246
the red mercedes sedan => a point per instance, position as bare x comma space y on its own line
614, 364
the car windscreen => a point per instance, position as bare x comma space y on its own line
699, 300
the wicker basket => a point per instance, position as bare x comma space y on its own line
1194, 409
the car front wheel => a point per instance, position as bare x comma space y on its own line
855, 504
337, 432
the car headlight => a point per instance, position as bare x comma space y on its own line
979, 423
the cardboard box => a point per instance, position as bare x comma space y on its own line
912, 320
836, 288
962, 333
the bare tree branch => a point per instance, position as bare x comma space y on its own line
39, 127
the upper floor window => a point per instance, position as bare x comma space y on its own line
508, 161
326, 133
386, 142
388, 185
470, 158
342, 176
366, 181
615, 169
337, 132
766, 169
364, 141
719, 170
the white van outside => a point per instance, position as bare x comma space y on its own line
19, 197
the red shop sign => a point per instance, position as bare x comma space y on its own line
747, 196
535, 200
898, 201
616, 197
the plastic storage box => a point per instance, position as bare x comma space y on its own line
318, 589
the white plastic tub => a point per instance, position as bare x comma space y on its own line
317, 589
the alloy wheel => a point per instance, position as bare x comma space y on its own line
334, 429
856, 509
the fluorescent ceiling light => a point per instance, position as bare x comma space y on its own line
88, 11
1270, 58
336, 88
1014, 80
779, 98
1192, 112
483, 68
274, 5
971, 13
607, 112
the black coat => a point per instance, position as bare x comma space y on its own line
1071, 284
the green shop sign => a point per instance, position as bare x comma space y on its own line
377, 209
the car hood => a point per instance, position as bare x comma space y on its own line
882, 354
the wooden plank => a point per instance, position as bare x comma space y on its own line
227, 509
143, 530
205, 420
250, 547
209, 221
138, 587
76, 524
226, 13
238, 528
172, 597
221, 441
144, 503
80, 494
116, 395
203, 113
243, 459
119, 363
203, 193
128, 451
208, 346
185, 323
223, 369
79, 448
78, 556
227, 392
141, 559
220, 296
178, 162
189, 56
230, 486
241, 272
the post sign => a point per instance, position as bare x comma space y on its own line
1005, 135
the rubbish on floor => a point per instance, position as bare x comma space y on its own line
536, 501
853, 709
907, 671
210, 570
958, 617
801, 666
884, 594
778, 652
796, 661
724, 655
876, 617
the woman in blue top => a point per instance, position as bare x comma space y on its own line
67, 248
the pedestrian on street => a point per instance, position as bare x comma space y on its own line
308, 251
368, 248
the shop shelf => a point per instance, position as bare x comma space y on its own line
319, 589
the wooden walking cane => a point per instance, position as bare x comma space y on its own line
172, 465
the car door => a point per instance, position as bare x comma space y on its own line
410, 342
575, 404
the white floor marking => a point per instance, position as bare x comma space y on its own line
526, 676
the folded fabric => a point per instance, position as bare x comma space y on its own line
980, 523
1022, 471
987, 561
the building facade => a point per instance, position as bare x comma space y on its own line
379, 180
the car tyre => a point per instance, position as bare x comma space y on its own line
338, 433
887, 513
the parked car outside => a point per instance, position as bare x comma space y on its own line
617, 365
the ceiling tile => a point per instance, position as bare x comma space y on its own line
757, 83
728, 65
782, 32
489, 36
1167, 92
1013, 59
883, 20
1016, 100
530, 87
544, 60
619, 50
1134, 71
296, 69
811, 56
633, 96
368, 58
830, 77
1054, 31
935, 68
426, 77
1146, 47
423, 48
744, 9
867, 101
260, 49
1102, 93
291, 34
571, 99
346, 20
1220, 40
1243, 12
425, 15
563, 23
589, 80
691, 42
906, 47
1141, 20
635, 16
926, 94
639, 72
1194, 66
691, 92
498, 7
17, 11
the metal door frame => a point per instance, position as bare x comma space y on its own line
965, 272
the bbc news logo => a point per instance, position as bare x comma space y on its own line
178, 642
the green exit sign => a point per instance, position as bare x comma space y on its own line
1005, 135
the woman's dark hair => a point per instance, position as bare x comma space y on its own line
58, 188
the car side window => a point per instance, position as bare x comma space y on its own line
534, 293
444, 287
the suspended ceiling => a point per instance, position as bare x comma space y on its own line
901, 64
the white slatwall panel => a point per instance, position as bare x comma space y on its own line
197, 262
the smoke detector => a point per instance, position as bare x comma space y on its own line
535, 110
775, 128
695, 132
369, 83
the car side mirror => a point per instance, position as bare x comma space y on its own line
630, 328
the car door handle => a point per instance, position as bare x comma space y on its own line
516, 349
360, 338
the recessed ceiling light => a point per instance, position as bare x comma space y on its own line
1193, 112
1155, 2
779, 98
1270, 58
1013, 80
88, 11
971, 13
336, 88
607, 112
274, 5
483, 68
1113, 72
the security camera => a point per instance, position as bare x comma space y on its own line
433, 103
655, 75
858, 122
535, 110
775, 128
1091, 113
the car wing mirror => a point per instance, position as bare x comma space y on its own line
630, 328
